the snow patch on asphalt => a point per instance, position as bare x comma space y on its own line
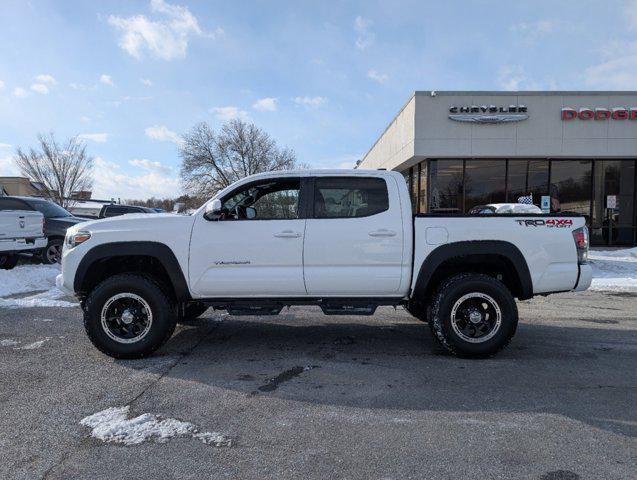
8, 342
113, 426
614, 270
31, 278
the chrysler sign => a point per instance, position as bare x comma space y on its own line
488, 113
597, 113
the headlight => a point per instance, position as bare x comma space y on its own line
76, 238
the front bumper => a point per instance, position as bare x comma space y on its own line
59, 283
585, 278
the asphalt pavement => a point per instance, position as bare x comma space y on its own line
302, 395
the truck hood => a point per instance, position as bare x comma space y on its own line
133, 225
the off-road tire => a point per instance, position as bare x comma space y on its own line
191, 312
163, 308
7, 262
451, 291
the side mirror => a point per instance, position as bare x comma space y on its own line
251, 213
213, 210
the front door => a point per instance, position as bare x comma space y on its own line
256, 248
354, 239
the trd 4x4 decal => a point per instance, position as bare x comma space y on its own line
550, 223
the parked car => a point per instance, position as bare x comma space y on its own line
500, 208
56, 221
345, 241
20, 231
114, 209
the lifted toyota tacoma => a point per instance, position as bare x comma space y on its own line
343, 240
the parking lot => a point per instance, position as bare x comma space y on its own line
302, 395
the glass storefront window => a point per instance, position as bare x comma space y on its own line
527, 177
484, 182
571, 186
445, 181
617, 226
414, 188
422, 195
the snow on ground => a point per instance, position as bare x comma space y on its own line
614, 270
39, 279
113, 425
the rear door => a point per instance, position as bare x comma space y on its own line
354, 238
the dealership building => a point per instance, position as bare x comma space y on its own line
563, 151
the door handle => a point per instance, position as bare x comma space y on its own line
382, 232
287, 234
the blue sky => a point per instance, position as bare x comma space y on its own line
324, 78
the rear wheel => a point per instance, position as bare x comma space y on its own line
52, 253
473, 315
7, 262
129, 316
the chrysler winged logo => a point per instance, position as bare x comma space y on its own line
488, 113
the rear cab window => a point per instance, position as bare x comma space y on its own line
349, 197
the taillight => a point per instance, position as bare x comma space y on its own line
580, 235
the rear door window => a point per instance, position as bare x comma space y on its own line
349, 197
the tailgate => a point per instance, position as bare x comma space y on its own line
21, 224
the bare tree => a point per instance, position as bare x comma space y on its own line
211, 162
61, 169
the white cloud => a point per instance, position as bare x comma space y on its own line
107, 80
511, 77
310, 101
150, 165
40, 88
5, 145
110, 181
163, 134
20, 92
617, 68
146, 81
377, 76
166, 38
8, 167
267, 104
364, 35
531, 32
84, 119
45, 78
94, 137
1, 84
229, 113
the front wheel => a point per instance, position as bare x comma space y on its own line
473, 315
129, 316
7, 262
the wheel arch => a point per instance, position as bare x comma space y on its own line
131, 257
495, 257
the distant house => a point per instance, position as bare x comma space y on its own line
21, 186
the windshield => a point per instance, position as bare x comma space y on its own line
50, 209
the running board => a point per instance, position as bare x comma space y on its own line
348, 308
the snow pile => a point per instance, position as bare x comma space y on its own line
113, 425
614, 269
34, 345
31, 278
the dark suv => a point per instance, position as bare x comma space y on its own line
115, 209
56, 221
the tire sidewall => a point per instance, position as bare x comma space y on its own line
163, 313
44, 257
453, 291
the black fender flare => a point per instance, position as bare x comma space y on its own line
476, 247
160, 251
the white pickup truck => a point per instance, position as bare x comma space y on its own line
20, 231
343, 240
